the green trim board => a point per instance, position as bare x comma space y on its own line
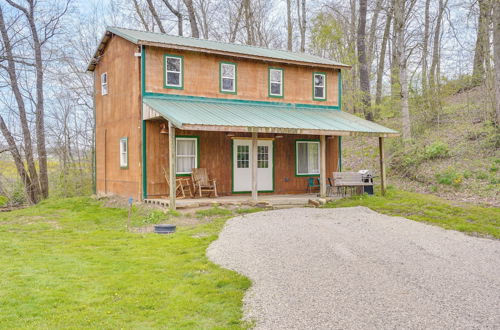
197, 152
235, 78
143, 125
340, 90
324, 89
232, 172
269, 82
181, 75
297, 156
120, 159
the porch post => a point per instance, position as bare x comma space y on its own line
254, 166
171, 165
322, 166
382, 164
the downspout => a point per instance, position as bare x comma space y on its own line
143, 125
340, 108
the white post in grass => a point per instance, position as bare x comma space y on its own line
322, 166
254, 166
171, 165
382, 165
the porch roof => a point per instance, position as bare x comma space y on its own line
190, 113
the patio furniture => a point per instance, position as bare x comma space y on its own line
202, 182
311, 184
181, 185
351, 182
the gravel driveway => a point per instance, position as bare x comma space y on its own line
353, 268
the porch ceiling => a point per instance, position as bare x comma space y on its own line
263, 117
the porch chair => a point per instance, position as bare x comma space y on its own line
311, 184
202, 183
181, 185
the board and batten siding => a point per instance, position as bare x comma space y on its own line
215, 149
118, 115
201, 78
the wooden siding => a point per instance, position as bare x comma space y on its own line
201, 78
215, 155
118, 114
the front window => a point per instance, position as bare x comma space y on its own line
124, 152
187, 154
173, 71
307, 153
227, 77
262, 157
276, 82
319, 86
243, 157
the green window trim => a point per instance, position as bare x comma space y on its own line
181, 76
124, 166
235, 78
314, 86
269, 82
197, 152
297, 157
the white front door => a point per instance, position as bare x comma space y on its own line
242, 165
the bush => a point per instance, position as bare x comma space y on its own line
154, 218
3, 201
450, 178
436, 150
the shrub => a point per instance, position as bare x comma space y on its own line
481, 176
436, 150
154, 217
3, 201
467, 174
450, 178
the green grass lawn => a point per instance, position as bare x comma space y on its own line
71, 263
483, 221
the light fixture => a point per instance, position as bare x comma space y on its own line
278, 136
163, 128
229, 134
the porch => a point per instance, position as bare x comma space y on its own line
248, 147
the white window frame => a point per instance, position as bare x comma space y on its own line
124, 152
180, 72
222, 77
323, 98
104, 83
275, 82
180, 138
297, 157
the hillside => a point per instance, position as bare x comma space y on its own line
455, 153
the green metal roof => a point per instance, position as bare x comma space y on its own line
194, 113
161, 39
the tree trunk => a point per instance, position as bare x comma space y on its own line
364, 79
478, 70
425, 45
192, 19
141, 16
177, 14
496, 53
372, 35
247, 8
301, 16
155, 15
397, 30
14, 84
289, 24
434, 74
381, 63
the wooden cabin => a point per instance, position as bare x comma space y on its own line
259, 120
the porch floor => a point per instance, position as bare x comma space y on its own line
274, 201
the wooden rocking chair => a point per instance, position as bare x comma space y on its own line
182, 185
202, 183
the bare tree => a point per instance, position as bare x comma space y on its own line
301, 15
425, 44
178, 14
195, 33
141, 15
482, 43
155, 15
496, 52
364, 78
289, 27
381, 62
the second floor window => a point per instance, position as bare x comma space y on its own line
104, 83
275, 82
319, 86
228, 77
174, 72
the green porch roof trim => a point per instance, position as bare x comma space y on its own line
144, 37
248, 116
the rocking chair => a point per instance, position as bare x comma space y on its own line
182, 184
202, 183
